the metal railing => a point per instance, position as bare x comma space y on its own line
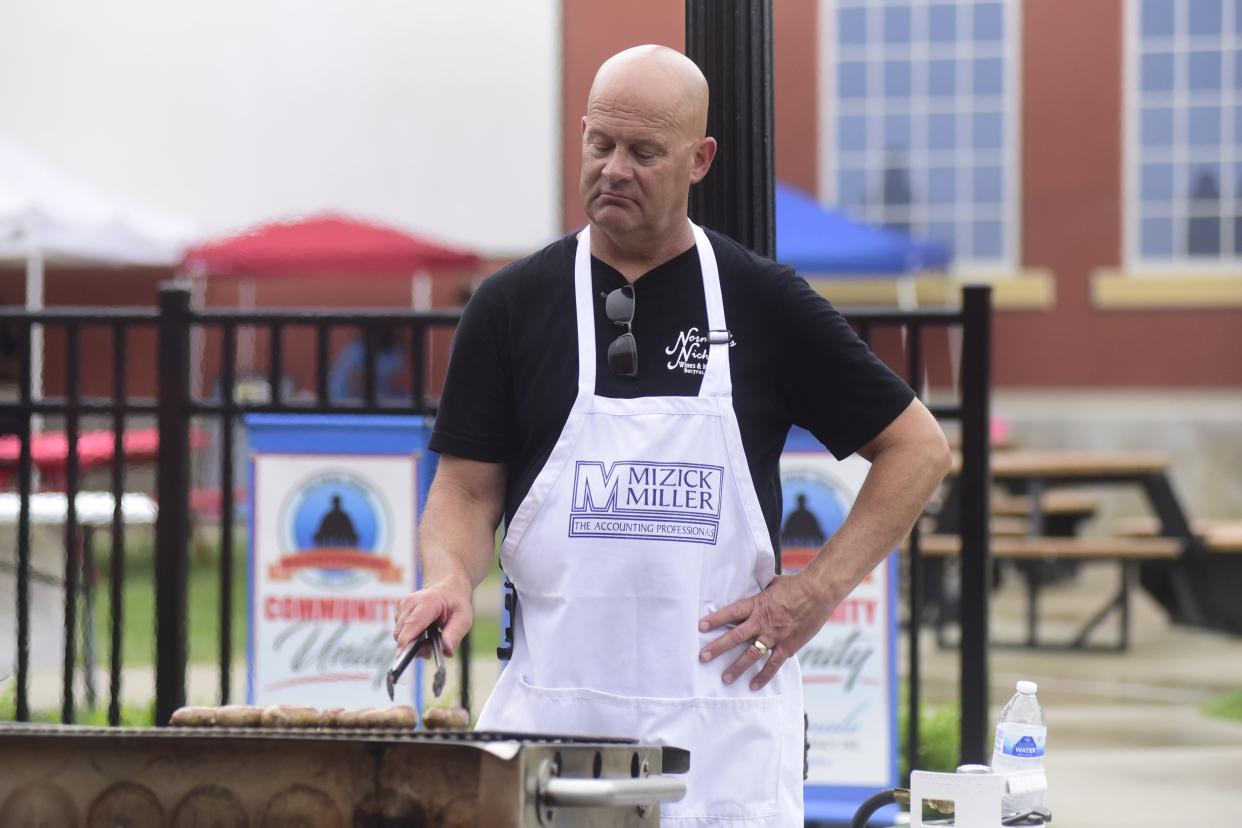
176, 405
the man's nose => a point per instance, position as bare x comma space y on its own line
617, 167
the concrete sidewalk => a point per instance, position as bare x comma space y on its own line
1127, 743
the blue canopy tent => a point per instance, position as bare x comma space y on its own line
815, 240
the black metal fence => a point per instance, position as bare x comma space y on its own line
175, 408
177, 405
971, 410
20, 417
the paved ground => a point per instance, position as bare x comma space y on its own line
1127, 745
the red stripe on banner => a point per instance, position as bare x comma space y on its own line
797, 557
334, 559
284, 568
323, 678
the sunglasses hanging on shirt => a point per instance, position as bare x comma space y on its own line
623, 351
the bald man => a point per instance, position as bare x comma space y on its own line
621, 399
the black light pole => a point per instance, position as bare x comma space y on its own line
731, 41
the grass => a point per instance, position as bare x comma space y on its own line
202, 624
138, 611
203, 619
485, 636
131, 715
1228, 706
939, 738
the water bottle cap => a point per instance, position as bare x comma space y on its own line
1027, 688
973, 769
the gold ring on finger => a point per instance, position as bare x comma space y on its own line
760, 648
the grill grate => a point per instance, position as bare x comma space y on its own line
385, 735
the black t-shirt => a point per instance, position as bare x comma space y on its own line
513, 374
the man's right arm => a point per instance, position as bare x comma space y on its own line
458, 539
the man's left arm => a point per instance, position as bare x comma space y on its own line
908, 459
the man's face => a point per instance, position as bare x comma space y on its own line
637, 163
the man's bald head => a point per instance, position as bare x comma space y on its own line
643, 145
657, 80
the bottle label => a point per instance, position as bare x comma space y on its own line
1020, 741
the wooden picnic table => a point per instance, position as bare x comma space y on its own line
1031, 474
1073, 466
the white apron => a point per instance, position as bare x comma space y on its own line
644, 520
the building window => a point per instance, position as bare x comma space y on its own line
1184, 118
921, 103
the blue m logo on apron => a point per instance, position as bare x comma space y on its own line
646, 501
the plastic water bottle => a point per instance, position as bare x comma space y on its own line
1021, 733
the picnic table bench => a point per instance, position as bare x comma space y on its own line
1217, 535
1061, 511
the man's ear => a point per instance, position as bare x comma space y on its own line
704, 152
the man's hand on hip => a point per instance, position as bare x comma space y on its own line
781, 619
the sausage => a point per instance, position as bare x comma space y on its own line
328, 717
238, 715
446, 718
352, 717
282, 715
193, 717
398, 716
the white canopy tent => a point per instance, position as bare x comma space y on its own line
47, 217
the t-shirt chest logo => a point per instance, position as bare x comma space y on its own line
689, 352
646, 501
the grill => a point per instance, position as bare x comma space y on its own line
67, 776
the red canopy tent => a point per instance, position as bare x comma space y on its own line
327, 245
324, 246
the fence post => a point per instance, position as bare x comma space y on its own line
172, 486
25, 486
975, 482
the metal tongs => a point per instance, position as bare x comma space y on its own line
428, 637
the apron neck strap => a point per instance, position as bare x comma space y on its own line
585, 308
716, 380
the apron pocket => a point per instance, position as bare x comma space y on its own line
734, 743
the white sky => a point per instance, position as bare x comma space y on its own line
442, 117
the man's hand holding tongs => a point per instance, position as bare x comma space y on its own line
422, 632
445, 606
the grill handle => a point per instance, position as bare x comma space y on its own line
611, 793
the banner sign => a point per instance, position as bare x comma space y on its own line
849, 668
334, 508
